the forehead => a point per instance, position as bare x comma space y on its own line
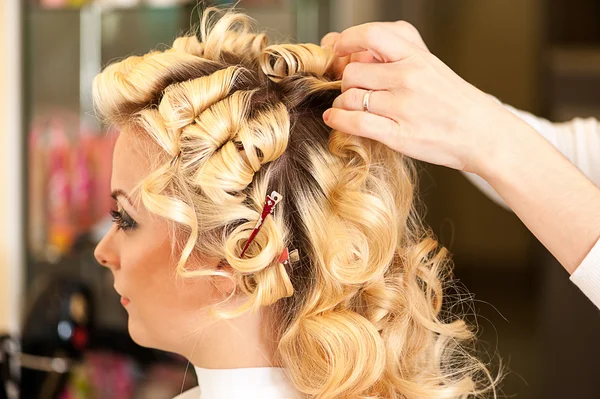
130, 161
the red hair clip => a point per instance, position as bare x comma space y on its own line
268, 208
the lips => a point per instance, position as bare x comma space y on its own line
124, 301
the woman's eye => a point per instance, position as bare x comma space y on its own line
123, 220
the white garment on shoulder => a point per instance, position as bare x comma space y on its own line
242, 383
579, 141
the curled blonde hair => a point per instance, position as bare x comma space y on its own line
361, 314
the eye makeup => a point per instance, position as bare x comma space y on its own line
122, 220
120, 217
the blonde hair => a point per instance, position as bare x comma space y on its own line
361, 314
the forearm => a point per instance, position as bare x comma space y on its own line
558, 204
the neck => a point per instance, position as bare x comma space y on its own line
243, 342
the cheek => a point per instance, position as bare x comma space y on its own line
150, 276
164, 310
148, 268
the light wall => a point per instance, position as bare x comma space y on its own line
11, 254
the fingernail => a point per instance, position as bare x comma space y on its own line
326, 115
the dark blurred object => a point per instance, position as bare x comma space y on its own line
4, 370
67, 355
3, 382
9, 351
573, 55
56, 332
569, 325
569, 328
574, 22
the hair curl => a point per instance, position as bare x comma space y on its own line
360, 315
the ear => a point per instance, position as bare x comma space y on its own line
223, 284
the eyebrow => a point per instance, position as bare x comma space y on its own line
120, 193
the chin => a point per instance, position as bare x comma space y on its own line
139, 334
142, 335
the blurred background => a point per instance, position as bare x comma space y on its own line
58, 306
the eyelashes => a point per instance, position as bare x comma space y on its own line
123, 220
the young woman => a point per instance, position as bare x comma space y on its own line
283, 259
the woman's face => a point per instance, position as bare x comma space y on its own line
164, 311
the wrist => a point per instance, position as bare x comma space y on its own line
506, 147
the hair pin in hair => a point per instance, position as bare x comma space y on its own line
268, 208
288, 257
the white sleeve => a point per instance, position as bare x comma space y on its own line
587, 275
578, 140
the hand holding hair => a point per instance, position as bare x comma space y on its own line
396, 92
418, 106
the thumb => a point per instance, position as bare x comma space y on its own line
329, 39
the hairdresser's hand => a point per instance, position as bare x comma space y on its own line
419, 106
411, 34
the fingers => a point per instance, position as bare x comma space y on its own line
364, 124
382, 40
380, 102
329, 39
338, 63
363, 56
402, 28
372, 76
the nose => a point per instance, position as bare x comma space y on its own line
106, 252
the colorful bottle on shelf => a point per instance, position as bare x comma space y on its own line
61, 229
